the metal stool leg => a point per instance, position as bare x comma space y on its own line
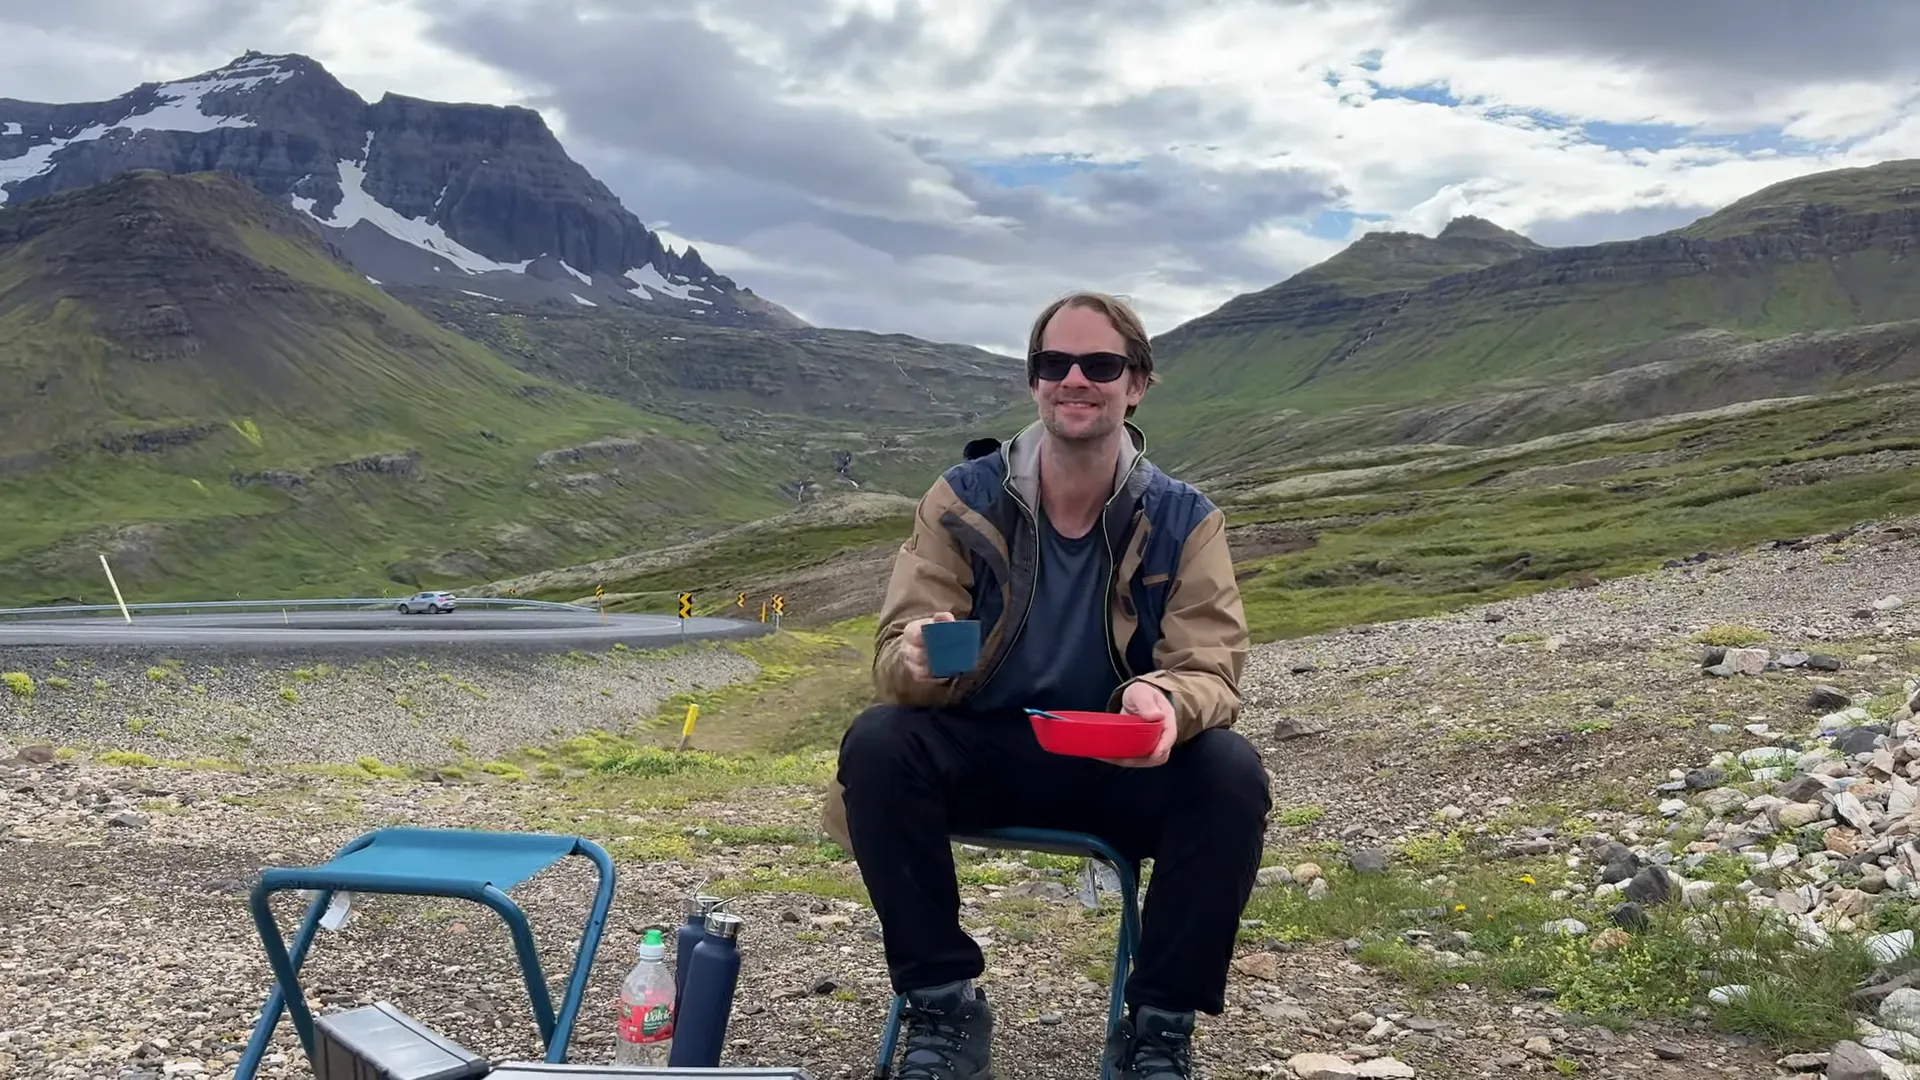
889, 1038
276, 998
583, 956
1123, 950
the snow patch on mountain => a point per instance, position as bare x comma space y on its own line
181, 106
649, 278
357, 206
36, 160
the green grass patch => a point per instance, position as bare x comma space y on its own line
810, 686
657, 847
832, 883
1456, 915
743, 835
1295, 816
505, 770
403, 438
634, 777
1449, 542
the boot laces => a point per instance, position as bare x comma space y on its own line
933, 1040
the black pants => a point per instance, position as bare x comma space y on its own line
912, 777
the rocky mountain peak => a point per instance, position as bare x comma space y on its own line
1479, 229
478, 198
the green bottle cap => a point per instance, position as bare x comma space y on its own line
652, 938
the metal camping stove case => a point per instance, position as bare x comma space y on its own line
379, 1042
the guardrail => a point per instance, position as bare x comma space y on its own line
370, 603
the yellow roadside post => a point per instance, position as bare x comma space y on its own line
686, 729
124, 613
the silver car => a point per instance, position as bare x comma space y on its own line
433, 603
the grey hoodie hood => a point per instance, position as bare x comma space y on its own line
1023, 459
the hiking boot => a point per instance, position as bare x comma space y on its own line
1152, 1044
945, 1034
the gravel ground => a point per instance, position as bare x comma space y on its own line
1576, 692
319, 708
127, 953
1823, 592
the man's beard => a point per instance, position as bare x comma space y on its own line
1098, 427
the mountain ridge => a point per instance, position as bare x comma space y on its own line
1768, 222
411, 190
1331, 338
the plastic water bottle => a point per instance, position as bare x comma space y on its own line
712, 974
686, 937
644, 1035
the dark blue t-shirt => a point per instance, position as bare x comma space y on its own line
1060, 660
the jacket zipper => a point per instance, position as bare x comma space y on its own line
1113, 568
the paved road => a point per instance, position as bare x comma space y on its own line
517, 630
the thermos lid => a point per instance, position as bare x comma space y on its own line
703, 904
724, 924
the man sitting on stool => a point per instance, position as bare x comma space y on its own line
1102, 584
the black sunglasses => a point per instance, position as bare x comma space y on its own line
1053, 365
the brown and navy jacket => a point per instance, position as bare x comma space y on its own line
1174, 613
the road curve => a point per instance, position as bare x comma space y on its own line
511, 630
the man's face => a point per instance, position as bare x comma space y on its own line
1075, 408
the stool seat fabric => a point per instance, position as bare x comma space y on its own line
501, 860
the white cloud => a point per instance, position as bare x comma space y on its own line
885, 163
384, 46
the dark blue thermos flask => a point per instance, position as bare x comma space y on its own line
685, 938
700, 1025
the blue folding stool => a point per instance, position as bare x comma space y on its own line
1055, 842
464, 864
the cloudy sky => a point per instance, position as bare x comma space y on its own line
945, 168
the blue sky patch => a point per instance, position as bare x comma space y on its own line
1049, 172
1613, 136
1633, 136
1431, 94
1338, 224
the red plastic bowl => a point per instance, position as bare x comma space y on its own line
1094, 734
